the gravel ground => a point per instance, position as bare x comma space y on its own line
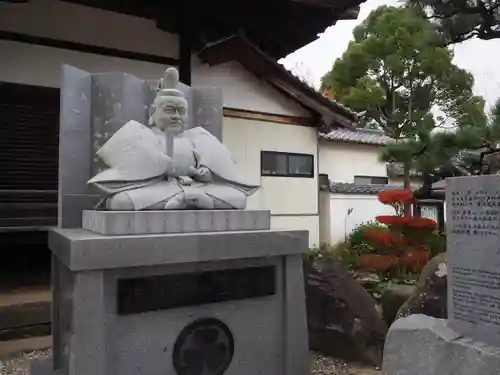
19, 366
320, 365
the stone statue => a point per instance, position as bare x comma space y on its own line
169, 166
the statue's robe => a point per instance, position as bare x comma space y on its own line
137, 162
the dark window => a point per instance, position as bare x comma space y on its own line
29, 132
370, 180
286, 164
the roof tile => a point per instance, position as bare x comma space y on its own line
351, 188
361, 136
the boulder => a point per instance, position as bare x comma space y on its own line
430, 296
368, 280
420, 344
342, 318
393, 298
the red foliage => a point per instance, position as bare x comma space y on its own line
421, 223
377, 262
401, 244
411, 222
395, 196
378, 237
392, 219
414, 260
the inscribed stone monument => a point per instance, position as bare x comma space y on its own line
468, 342
473, 241
158, 291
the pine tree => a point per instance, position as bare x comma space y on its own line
398, 70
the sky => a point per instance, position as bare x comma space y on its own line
477, 56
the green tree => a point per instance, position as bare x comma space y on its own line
470, 141
456, 152
398, 69
460, 20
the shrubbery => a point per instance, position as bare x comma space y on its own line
394, 247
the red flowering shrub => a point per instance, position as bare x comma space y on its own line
383, 239
395, 196
393, 220
400, 244
414, 260
421, 223
396, 199
377, 262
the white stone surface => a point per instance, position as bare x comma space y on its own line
473, 231
113, 223
422, 345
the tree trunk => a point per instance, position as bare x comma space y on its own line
407, 186
407, 163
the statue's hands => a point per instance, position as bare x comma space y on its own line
169, 166
203, 174
185, 180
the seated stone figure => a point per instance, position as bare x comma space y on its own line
169, 166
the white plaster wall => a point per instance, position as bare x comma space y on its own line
41, 66
297, 198
415, 182
77, 23
309, 223
365, 208
344, 160
243, 90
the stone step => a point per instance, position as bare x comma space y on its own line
18, 333
25, 312
14, 348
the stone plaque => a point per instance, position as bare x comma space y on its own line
473, 246
162, 292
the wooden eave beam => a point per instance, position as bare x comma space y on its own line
321, 3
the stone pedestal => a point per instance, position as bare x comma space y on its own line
178, 303
155, 222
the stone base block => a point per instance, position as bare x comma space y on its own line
419, 344
139, 304
43, 367
114, 223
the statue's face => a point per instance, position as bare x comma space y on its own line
170, 113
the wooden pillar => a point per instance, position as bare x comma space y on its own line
417, 210
324, 217
440, 212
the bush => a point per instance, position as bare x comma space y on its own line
323, 251
436, 243
357, 240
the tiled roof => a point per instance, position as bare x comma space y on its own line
350, 188
361, 136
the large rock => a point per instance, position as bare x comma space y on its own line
342, 318
430, 296
423, 345
393, 298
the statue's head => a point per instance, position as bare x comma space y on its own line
170, 106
